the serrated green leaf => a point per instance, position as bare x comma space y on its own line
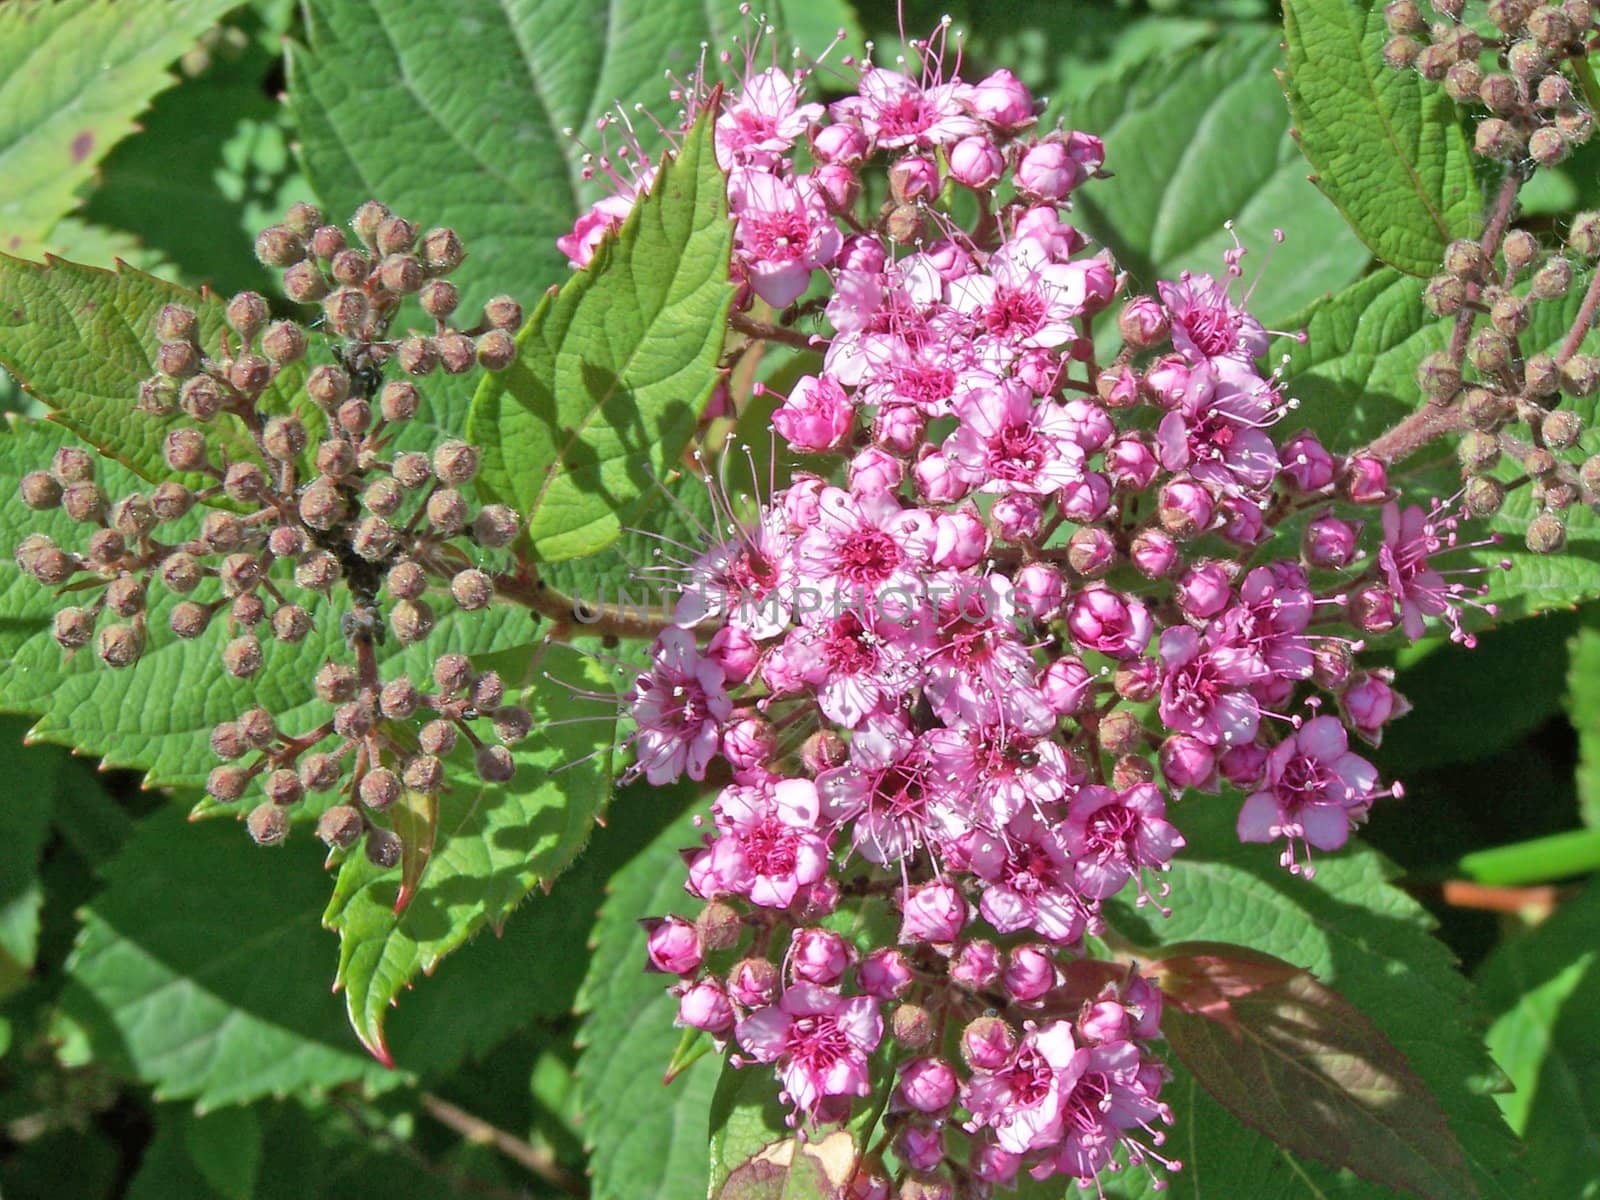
1360, 935
199, 970
1544, 987
381, 113
1583, 709
81, 339
1200, 140
73, 76
210, 167
495, 843
1388, 149
644, 1139
156, 716
614, 368
1355, 377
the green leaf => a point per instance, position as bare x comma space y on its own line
380, 112
755, 1156
81, 340
1292, 1058
1544, 987
156, 716
614, 368
644, 1138
1363, 937
495, 842
1355, 377
197, 970
1388, 149
1583, 709
73, 76
24, 825
225, 1146
210, 167
1197, 141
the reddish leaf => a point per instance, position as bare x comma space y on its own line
1292, 1058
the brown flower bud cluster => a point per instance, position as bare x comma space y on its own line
304, 513
1506, 391
1531, 110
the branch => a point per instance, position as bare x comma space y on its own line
769, 332
631, 623
539, 1163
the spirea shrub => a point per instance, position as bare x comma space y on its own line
1011, 612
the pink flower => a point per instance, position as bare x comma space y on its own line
763, 121
1024, 300
603, 218
894, 110
1314, 790
934, 912
863, 547
1109, 622
1008, 442
1409, 539
992, 774
1207, 324
816, 415
820, 1042
1021, 1102
1204, 688
1054, 168
768, 849
784, 233
679, 706
674, 947
1114, 836
883, 793
978, 671
1029, 878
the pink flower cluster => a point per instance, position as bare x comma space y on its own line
956, 684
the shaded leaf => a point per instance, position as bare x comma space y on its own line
1199, 140
73, 76
1388, 149
1292, 1058
614, 369
645, 1138
1544, 987
199, 970
1583, 709
1358, 934
494, 843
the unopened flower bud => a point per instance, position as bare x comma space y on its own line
283, 787
673, 946
447, 511
494, 764
1547, 146
321, 506
354, 416
911, 1026
496, 350
472, 589
1561, 429
327, 240
303, 218
226, 784
1478, 452
1546, 534
412, 621
279, 246
40, 491
1583, 236
379, 789
158, 396
242, 657
350, 268
1438, 378
318, 571
402, 274
250, 374
384, 848
457, 353
319, 772
511, 723
442, 251
987, 1044
189, 619
1462, 81
366, 220
503, 312
73, 627
304, 283
126, 596
178, 359
1374, 609
1432, 62
340, 827
486, 691
1400, 52
1484, 496
355, 719
85, 503
417, 355
374, 539
334, 683
705, 1005
1121, 732
439, 298
106, 547
346, 310
1580, 375
495, 526
246, 313
1143, 323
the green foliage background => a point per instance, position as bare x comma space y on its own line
166, 1022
